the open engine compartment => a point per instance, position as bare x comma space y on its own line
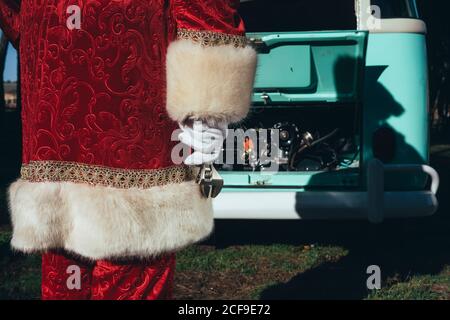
304, 128
296, 139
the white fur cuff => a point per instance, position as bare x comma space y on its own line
209, 81
99, 222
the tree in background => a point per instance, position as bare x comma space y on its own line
436, 15
3, 51
10, 122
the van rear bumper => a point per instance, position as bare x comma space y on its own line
375, 204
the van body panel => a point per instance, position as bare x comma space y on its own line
396, 96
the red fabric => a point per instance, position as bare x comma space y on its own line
97, 95
108, 280
212, 15
54, 277
9, 19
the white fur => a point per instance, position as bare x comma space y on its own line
102, 222
209, 82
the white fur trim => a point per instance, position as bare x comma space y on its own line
209, 81
99, 222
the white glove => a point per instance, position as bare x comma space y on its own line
206, 141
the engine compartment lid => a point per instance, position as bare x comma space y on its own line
309, 67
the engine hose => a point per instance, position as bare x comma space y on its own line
314, 143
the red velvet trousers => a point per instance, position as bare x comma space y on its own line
65, 277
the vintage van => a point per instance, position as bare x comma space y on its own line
345, 85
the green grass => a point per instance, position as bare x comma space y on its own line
248, 259
204, 272
20, 276
244, 272
425, 287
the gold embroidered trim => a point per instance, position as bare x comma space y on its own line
57, 171
211, 38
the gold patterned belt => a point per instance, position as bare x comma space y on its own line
211, 38
60, 171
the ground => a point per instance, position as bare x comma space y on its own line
296, 260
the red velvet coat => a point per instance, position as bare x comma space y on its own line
100, 104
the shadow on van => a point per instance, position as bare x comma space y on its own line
401, 248
378, 138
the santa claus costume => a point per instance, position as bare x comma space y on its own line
98, 189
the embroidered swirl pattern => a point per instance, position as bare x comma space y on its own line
108, 280
96, 96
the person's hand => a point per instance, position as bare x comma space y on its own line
206, 141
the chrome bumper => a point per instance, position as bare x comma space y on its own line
375, 204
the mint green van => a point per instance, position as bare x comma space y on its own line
345, 83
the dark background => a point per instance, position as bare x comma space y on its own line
436, 14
